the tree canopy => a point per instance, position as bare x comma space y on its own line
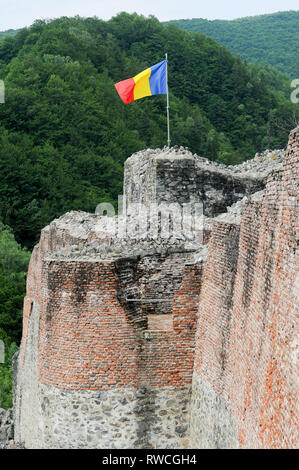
9, 32
13, 267
266, 39
65, 133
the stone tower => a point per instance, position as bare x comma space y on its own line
134, 343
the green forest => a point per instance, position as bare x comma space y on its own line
266, 39
13, 267
9, 32
65, 133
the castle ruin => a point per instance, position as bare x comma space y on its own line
167, 342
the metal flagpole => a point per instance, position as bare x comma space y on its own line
167, 106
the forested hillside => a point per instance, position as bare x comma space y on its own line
9, 32
267, 39
65, 133
13, 267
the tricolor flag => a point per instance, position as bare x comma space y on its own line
152, 81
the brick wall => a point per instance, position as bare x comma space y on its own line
147, 285
245, 364
84, 354
86, 348
88, 341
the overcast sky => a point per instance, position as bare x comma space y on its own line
18, 13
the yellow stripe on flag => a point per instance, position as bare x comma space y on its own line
142, 87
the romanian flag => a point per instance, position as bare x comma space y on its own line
151, 81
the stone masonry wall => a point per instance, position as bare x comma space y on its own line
147, 285
245, 375
177, 176
80, 343
111, 325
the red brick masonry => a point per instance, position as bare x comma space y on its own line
242, 305
247, 333
88, 341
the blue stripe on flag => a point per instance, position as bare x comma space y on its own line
157, 79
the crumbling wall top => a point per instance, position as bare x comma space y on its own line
175, 175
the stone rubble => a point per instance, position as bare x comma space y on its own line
97, 237
6, 428
109, 247
260, 165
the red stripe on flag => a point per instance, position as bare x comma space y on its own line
125, 89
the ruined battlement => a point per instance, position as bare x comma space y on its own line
175, 175
166, 342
